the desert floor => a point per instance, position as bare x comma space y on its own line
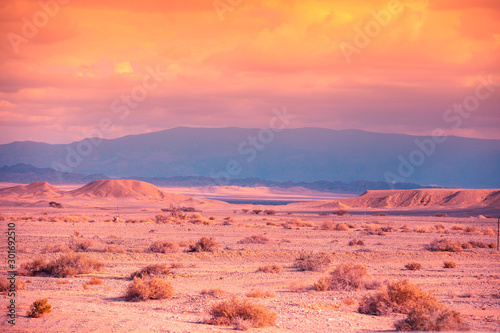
471, 288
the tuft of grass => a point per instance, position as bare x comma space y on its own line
148, 288
270, 269
54, 248
346, 276
449, 264
349, 301
94, 281
151, 270
114, 249
318, 262
7, 286
81, 245
39, 308
217, 292
413, 266
257, 239
163, 247
64, 266
204, 244
232, 312
257, 293
445, 245
355, 242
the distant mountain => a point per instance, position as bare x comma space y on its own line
25, 174
297, 155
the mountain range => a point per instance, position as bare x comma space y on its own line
304, 155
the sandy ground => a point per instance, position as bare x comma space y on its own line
471, 288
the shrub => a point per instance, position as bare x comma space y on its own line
204, 244
340, 212
81, 245
489, 232
258, 239
441, 215
114, 249
297, 286
270, 212
66, 265
148, 288
231, 312
94, 281
355, 241
271, 269
257, 293
39, 308
430, 318
163, 247
413, 266
151, 270
245, 210
218, 293
449, 264
161, 218
256, 211
312, 262
53, 248
445, 245
346, 276
349, 301
6, 286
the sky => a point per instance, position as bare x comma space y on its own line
70, 69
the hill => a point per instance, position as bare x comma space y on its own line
297, 155
36, 189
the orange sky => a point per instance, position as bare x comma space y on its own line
233, 67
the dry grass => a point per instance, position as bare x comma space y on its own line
298, 287
94, 281
204, 244
340, 212
151, 270
428, 317
449, 264
7, 286
355, 242
318, 262
233, 312
257, 239
329, 225
39, 308
163, 247
54, 248
257, 293
148, 288
114, 249
217, 292
413, 266
64, 266
457, 246
81, 245
349, 301
346, 276
270, 269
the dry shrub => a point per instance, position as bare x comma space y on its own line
148, 288
217, 292
94, 281
66, 265
355, 241
298, 286
457, 227
270, 212
39, 308
346, 276
114, 249
257, 293
81, 245
163, 247
318, 262
471, 230
231, 312
257, 239
161, 218
271, 269
349, 301
177, 265
424, 317
340, 212
413, 266
405, 228
298, 223
54, 248
151, 270
489, 232
204, 244
449, 264
445, 245
441, 215
329, 225
7, 286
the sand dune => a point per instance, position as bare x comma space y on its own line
36, 189
118, 188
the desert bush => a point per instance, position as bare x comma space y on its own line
244, 210
349, 301
39, 308
346, 276
231, 312
161, 218
212, 218
425, 317
66, 265
413, 266
340, 212
257, 293
405, 228
163, 247
270, 269
218, 293
449, 264
6, 286
441, 215
81, 245
256, 211
114, 249
270, 212
355, 241
330, 225
204, 244
151, 270
445, 245
53, 248
489, 232
471, 229
141, 289
257, 239
457, 227
177, 265
94, 281
312, 262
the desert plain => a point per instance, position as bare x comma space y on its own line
117, 222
